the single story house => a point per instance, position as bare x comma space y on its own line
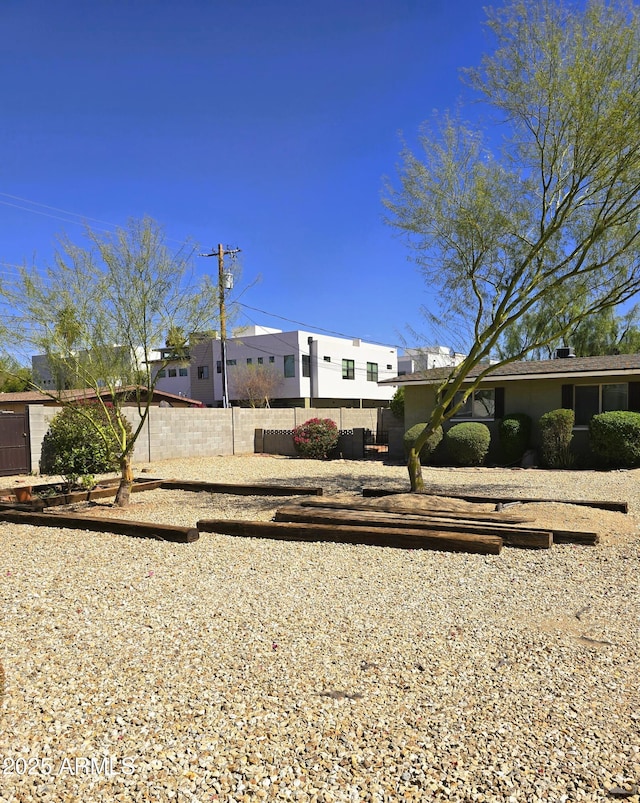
17, 402
587, 385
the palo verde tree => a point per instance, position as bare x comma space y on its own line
98, 314
553, 214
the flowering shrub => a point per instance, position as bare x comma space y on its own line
316, 438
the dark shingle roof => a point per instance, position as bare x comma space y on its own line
530, 369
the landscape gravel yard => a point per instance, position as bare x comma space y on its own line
242, 669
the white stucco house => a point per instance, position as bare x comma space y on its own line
312, 370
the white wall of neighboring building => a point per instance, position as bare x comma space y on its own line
271, 347
432, 357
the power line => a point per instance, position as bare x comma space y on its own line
317, 328
82, 221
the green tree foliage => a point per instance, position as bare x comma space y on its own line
80, 442
554, 214
603, 332
397, 404
14, 377
98, 313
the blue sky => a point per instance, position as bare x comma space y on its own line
267, 125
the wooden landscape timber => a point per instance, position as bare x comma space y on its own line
258, 489
502, 524
603, 504
513, 536
400, 507
103, 490
336, 533
137, 529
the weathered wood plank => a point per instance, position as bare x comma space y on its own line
391, 537
513, 536
137, 529
257, 489
603, 504
398, 507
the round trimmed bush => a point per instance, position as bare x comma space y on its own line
615, 438
556, 434
429, 447
468, 443
514, 432
316, 438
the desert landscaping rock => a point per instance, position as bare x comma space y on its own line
238, 669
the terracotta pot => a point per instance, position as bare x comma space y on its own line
23, 494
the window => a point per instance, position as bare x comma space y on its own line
306, 365
162, 374
231, 362
589, 400
272, 359
348, 369
479, 404
249, 360
260, 360
183, 372
290, 365
173, 372
203, 372
218, 366
327, 359
372, 372
390, 368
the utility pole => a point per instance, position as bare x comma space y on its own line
225, 282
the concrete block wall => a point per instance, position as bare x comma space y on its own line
172, 432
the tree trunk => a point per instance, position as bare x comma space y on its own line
415, 471
126, 482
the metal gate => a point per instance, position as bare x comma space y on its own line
15, 455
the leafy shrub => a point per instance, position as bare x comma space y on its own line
514, 432
615, 438
397, 404
316, 438
78, 443
429, 447
468, 443
556, 433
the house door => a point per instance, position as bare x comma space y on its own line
15, 457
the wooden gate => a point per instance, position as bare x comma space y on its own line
15, 454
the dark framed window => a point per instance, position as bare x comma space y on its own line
173, 372
589, 400
260, 360
249, 360
203, 372
348, 369
162, 373
183, 372
231, 362
327, 359
480, 404
272, 359
372, 372
218, 366
289, 366
306, 365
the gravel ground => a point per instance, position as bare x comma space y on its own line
239, 669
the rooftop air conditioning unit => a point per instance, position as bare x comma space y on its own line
564, 352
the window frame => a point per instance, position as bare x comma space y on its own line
468, 411
348, 369
289, 366
372, 371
